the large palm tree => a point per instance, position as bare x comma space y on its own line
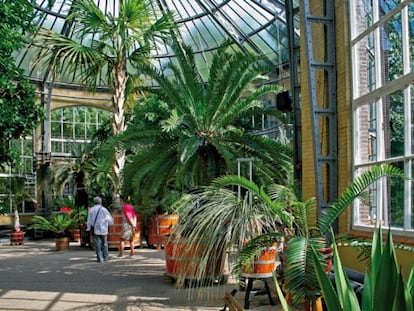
108, 47
198, 129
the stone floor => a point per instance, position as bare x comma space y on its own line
34, 276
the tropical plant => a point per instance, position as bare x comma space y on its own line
73, 173
58, 224
168, 202
384, 286
17, 194
300, 278
107, 47
227, 214
195, 130
19, 112
64, 202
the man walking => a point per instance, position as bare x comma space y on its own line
99, 219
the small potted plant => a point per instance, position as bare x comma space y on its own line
59, 225
17, 235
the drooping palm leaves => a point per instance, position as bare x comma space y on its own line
217, 218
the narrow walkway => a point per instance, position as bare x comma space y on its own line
34, 276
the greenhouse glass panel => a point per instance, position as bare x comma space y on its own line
396, 200
57, 146
80, 132
68, 130
391, 47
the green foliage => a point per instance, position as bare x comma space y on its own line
218, 215
14, 187
384, 287
189, 132
64, 201
355, 190
19, 114
300, 277
16, 20
119, 41
59, 224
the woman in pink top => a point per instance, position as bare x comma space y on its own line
129, 222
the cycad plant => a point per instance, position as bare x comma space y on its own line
300, 279
199, 128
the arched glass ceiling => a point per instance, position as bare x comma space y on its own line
257, 26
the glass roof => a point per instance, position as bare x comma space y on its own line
257, 26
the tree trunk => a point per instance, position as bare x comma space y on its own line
118, 124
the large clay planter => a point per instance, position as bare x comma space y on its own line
114, 231
183, 258
160, 227
62, 243
17, 238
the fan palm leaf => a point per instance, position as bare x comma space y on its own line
105, 50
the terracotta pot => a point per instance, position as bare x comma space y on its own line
17, 238
114, 231
62, 243
75, 235
263, 264
160, 227
183, 259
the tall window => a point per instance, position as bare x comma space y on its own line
382, 41
18, 181
74, 125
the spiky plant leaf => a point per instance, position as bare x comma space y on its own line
344, 297
354, 190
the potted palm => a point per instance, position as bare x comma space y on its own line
59, 225
18, 194
300, 282
220, 218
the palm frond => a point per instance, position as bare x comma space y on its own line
300, 276
355, 189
